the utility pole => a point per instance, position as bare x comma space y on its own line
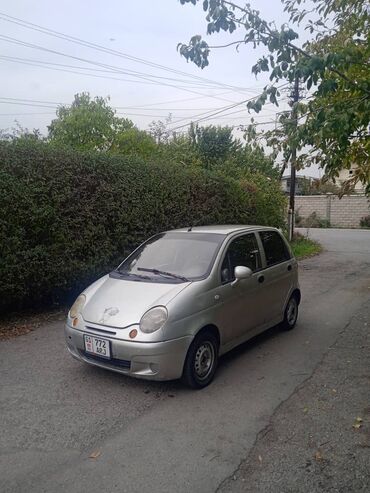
293, 160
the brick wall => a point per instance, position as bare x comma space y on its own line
345, 212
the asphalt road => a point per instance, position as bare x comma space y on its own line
148, 437
318, 440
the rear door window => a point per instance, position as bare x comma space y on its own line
275, 248
241, 251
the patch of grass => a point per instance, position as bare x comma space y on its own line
304, 247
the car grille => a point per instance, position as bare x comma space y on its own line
103, 331
120, 363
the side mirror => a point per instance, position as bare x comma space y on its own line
240, 273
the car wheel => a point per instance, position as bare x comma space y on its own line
290, 314
201, 361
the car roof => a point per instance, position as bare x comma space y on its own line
224, 229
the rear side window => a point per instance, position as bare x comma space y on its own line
275, 248
241, 251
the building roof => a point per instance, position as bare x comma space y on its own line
300, 177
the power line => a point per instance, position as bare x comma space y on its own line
114, 78
157, 109
95, 75
207, 115
122, 114
28, 104
37, 102
116, 69
177, 100
79, 41
146, 77
145, 115
221, 110
32, 61
25, 114
32, 100
128, 71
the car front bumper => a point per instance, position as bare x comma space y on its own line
148, 360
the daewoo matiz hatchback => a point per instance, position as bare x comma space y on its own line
182, 299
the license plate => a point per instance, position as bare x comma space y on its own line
97, 346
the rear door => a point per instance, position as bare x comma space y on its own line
277, 275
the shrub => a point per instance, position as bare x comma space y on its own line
267, 202
67, 218
365, 222
312, 221
303, 246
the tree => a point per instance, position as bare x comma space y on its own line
317, 187
214, 148
214, 144
251, 159
20, 133
333, 65
179, 150
336, 125
134, 142
159, 130
87, 124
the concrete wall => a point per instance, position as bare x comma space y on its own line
345, 212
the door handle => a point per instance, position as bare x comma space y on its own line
289, 267
261, 279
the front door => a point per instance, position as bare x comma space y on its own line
241, 305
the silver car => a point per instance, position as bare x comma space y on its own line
182, 299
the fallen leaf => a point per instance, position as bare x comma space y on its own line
305, 409
334, 391
318, 456
95, 454
358, 423
260, 458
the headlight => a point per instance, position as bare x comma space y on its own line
77, 306
153, 319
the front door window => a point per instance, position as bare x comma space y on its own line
242, 251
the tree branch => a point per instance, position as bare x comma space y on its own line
296, 48
228, 44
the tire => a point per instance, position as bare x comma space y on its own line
201, 361
290, 314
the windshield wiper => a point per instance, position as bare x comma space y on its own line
164, 273
125, 273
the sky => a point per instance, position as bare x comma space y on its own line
149, 30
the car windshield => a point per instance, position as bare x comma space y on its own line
173, 257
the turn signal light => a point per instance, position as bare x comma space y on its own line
133, 333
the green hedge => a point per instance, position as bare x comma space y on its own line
66, 218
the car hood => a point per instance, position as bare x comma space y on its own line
121, 302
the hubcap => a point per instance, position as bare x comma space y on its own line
292, 312
204, 359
